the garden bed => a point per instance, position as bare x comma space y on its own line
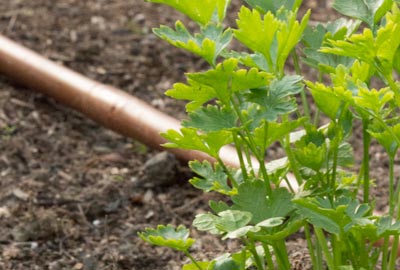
73, 195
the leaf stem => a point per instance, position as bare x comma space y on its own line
252, 248
186, 252
268, 256
325, 249
281, 254
365, 162
303, 93
240, 156
290, 155
311, 247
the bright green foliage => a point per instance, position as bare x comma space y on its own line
168, 236
251, 99
270, 36
373, 100
369, 11
209, 143
211, 118
203, 265
311, 156
227, 79
211, 179
329, 99
201, 12
270, 132
252, 197
378, 51
197, 93
208, 44
385, 138
314, 37
276, 100
334, 218
273, 6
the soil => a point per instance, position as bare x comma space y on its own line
73, 195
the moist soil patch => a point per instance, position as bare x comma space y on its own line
73, 195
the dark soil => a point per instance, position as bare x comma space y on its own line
73, 194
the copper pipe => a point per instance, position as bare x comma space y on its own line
106, 105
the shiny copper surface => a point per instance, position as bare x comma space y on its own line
108, 106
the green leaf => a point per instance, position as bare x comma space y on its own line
240, 232
270, 36
203, 265
226, 262
272, 6
329, 100
271, 222
199, 11
275, 100
252, 197
257, 33
369, 11
386, 227
314, 37
385, 138
373, 100
255, 60
270, 132
226, 79
168, 236
311, 156
289, 35
188, 138
211, 178
325, 218
231, 222
206, 222
218, 206
341, 215
208, 44
377, 51
197, 93
211, 118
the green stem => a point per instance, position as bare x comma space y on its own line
337, 251
290, 155
395, 243
192, 259
228, 173
392, 199
281, 254
253, 147
393, 253
365, 162
335, 146
240, 156
311, 247
303, 93
385, 252
252, 248
325, 249
268, 256
319, 256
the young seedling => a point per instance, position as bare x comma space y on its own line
249, 99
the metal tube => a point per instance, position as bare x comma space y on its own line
106, 105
